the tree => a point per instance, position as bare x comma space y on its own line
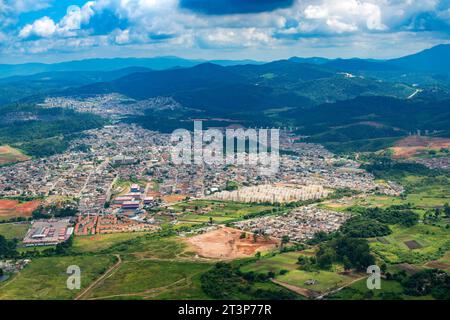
7, 247
255, 236
210, 220
447, 210
284, 240
325, 257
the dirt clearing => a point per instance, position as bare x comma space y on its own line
414, 145
226, 243
12, 208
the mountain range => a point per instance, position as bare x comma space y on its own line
334, 102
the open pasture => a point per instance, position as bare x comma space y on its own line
45, 278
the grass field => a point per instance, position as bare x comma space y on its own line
99, 242
147, 278
325, 280
10, 155
434, 241
45, 278
390, 290
284, 261
200, 211
14, 230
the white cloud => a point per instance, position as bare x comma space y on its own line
346, 15
122, 37
43, 27
67, 26
161, 23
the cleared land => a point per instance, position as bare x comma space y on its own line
10, 155
12, 208
225, 243
415, 145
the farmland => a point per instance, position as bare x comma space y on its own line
308, 283
432, 242
9, 155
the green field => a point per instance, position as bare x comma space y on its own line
199, 211
390, 290
434, 242
45, 278
325, 280
14, 230
149, 278
101, 241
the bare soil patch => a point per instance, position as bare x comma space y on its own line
409, 268
438, 265
173, 198
413, 244
11, 155
12, 208
225, 243
414, 145
301, 291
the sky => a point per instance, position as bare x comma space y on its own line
60, 30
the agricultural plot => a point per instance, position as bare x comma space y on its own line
14, 230
415, 245
442, 263
390, 290
10, 155
45, 278
306, 283
200, 211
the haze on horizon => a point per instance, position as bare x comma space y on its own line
53, 31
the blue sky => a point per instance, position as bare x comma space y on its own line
58, 30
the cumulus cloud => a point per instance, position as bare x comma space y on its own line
220, 23
67, 26
346, 15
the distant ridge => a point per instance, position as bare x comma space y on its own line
430, 60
